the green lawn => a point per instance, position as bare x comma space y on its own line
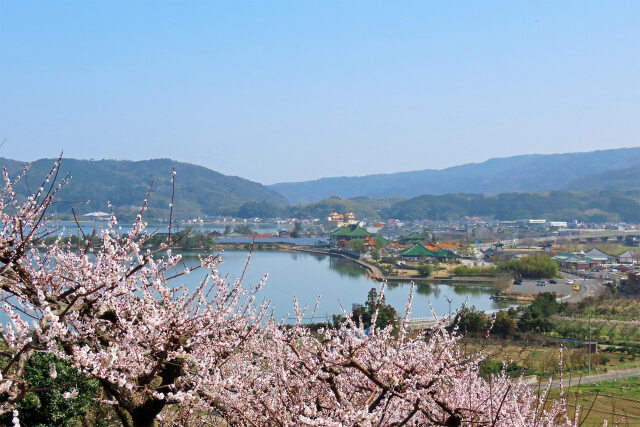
613, 400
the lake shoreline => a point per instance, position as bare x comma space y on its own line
375, 271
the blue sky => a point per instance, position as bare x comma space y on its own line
286, 91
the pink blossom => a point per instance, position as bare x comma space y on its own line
153, 345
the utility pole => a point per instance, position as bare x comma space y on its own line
589, 371
449, 301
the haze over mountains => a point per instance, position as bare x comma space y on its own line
595, 170
604, 179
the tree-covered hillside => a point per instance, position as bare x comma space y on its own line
619, 179
526, 173
559, 205
199, 191
363, 207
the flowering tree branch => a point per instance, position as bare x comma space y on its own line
118, 314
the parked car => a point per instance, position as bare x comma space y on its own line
541, 283
570, 282
553, 282
517, 282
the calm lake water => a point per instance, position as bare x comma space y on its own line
89, 226
337, 281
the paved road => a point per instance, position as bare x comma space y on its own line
588, 287
531, 287
609, 376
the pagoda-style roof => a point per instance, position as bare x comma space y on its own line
443, 253
418, 251
414, 237
368, 241
397, 245
350, 231
447, 246
597, 253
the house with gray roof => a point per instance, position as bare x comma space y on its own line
627, 257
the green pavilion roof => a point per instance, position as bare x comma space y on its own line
443, 253
350, 231
414, 237
419, 251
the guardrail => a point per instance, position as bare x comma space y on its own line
427, 322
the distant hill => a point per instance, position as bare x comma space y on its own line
592, 206
536, 172
363, 207
199, 191
552, 205
619, 179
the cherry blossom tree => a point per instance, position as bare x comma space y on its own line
166, 355
346, 376
111, 312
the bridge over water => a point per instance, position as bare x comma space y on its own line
589, 236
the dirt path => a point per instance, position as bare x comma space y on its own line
608, 376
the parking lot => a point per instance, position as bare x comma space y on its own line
530, 287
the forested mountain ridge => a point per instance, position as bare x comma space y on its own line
605, 206
199, 191
525, 173
203, 192
618, 179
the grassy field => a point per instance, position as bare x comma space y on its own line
611, 332
614, 401
543, 358
619, 308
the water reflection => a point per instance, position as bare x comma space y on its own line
316, 256
347, 268
337, 280
473, 290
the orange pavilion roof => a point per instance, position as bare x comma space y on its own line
397, 245
447, 246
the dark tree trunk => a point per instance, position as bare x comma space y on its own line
131, 414
145, 415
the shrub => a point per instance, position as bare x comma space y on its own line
48, 407
503, 325
386, 313
472, 320
531, 266
467, 271
425, 270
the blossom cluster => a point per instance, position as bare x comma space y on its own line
112, 310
